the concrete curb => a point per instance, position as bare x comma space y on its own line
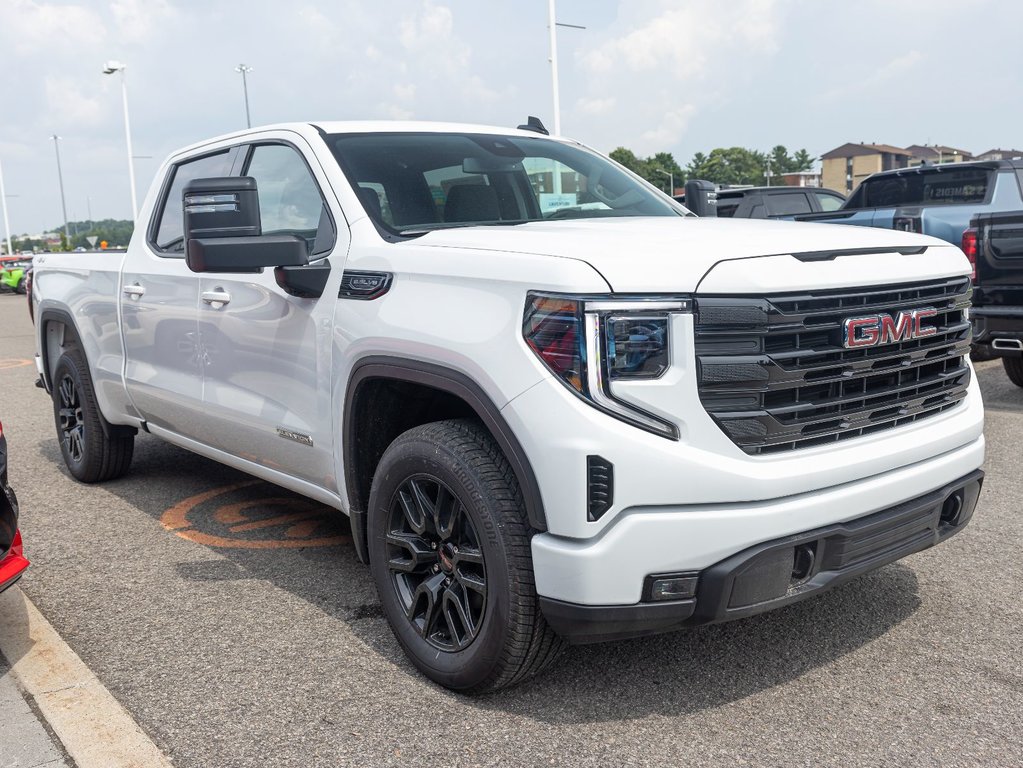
94, 728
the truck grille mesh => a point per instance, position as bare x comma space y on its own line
775, 377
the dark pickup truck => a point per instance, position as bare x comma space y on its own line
937, 200
994, 242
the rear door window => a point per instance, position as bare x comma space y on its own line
787, 204
829, 202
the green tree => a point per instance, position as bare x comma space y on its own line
732, 165
649, 168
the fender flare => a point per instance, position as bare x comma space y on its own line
452, 382
64, 317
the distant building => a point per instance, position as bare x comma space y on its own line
936, 153
1001, 154
844, 167
801, 179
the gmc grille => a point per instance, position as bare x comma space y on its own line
775, 377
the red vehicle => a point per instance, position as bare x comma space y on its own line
12, 558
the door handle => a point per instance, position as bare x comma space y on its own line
134, 291
219, 297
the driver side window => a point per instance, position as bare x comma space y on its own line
290, 202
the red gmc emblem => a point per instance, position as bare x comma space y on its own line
874, 330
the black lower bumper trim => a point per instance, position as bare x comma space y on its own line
600, 623
783, 571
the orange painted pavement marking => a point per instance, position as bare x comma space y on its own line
12, 362
300, 524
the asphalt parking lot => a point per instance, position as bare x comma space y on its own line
234, 622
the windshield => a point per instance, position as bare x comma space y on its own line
934, 186
411, 183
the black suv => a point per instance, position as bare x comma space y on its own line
774, 202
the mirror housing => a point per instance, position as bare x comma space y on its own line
223, 232
701, 198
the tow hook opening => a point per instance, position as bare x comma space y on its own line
803, 558
952, 508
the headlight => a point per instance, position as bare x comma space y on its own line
590, 342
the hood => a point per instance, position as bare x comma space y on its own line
646, 254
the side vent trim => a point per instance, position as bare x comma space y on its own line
600, 487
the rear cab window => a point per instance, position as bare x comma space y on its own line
936, 186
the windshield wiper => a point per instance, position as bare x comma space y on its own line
462, 225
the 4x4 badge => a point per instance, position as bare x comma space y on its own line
874, 330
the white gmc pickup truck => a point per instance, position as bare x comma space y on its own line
555, 405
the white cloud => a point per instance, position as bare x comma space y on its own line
136, 20
67, 99
34, 27
664, 61
671, 127
897, 67
429, 36
680, 41
597, 105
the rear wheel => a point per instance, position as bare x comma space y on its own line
1014, 367
449, 552
93, 449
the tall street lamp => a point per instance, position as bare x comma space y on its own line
671, 179
552, 25
3, 204
244, 70
109, 69
60, 180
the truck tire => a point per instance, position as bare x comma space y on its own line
450, 555
1014, 367
93, 449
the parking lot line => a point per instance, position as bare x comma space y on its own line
95, 729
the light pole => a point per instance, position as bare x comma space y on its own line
109, 69
671, 180
60, 180
552, 25
244, 70
3, 204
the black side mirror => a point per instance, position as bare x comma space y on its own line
223, 233
701, 198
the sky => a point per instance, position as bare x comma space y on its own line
679, 76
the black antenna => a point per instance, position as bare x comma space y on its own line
533, 124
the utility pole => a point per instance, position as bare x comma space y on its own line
60, 179
245, 88
3, 204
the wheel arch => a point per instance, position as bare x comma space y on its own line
51, 347
359, 464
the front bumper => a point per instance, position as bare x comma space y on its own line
781, 571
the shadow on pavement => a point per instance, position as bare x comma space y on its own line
670, 674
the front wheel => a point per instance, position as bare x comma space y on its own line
450, 555
93, 450
1014, 368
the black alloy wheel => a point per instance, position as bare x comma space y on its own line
72, 422
93, 449
436, 563
449, 549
